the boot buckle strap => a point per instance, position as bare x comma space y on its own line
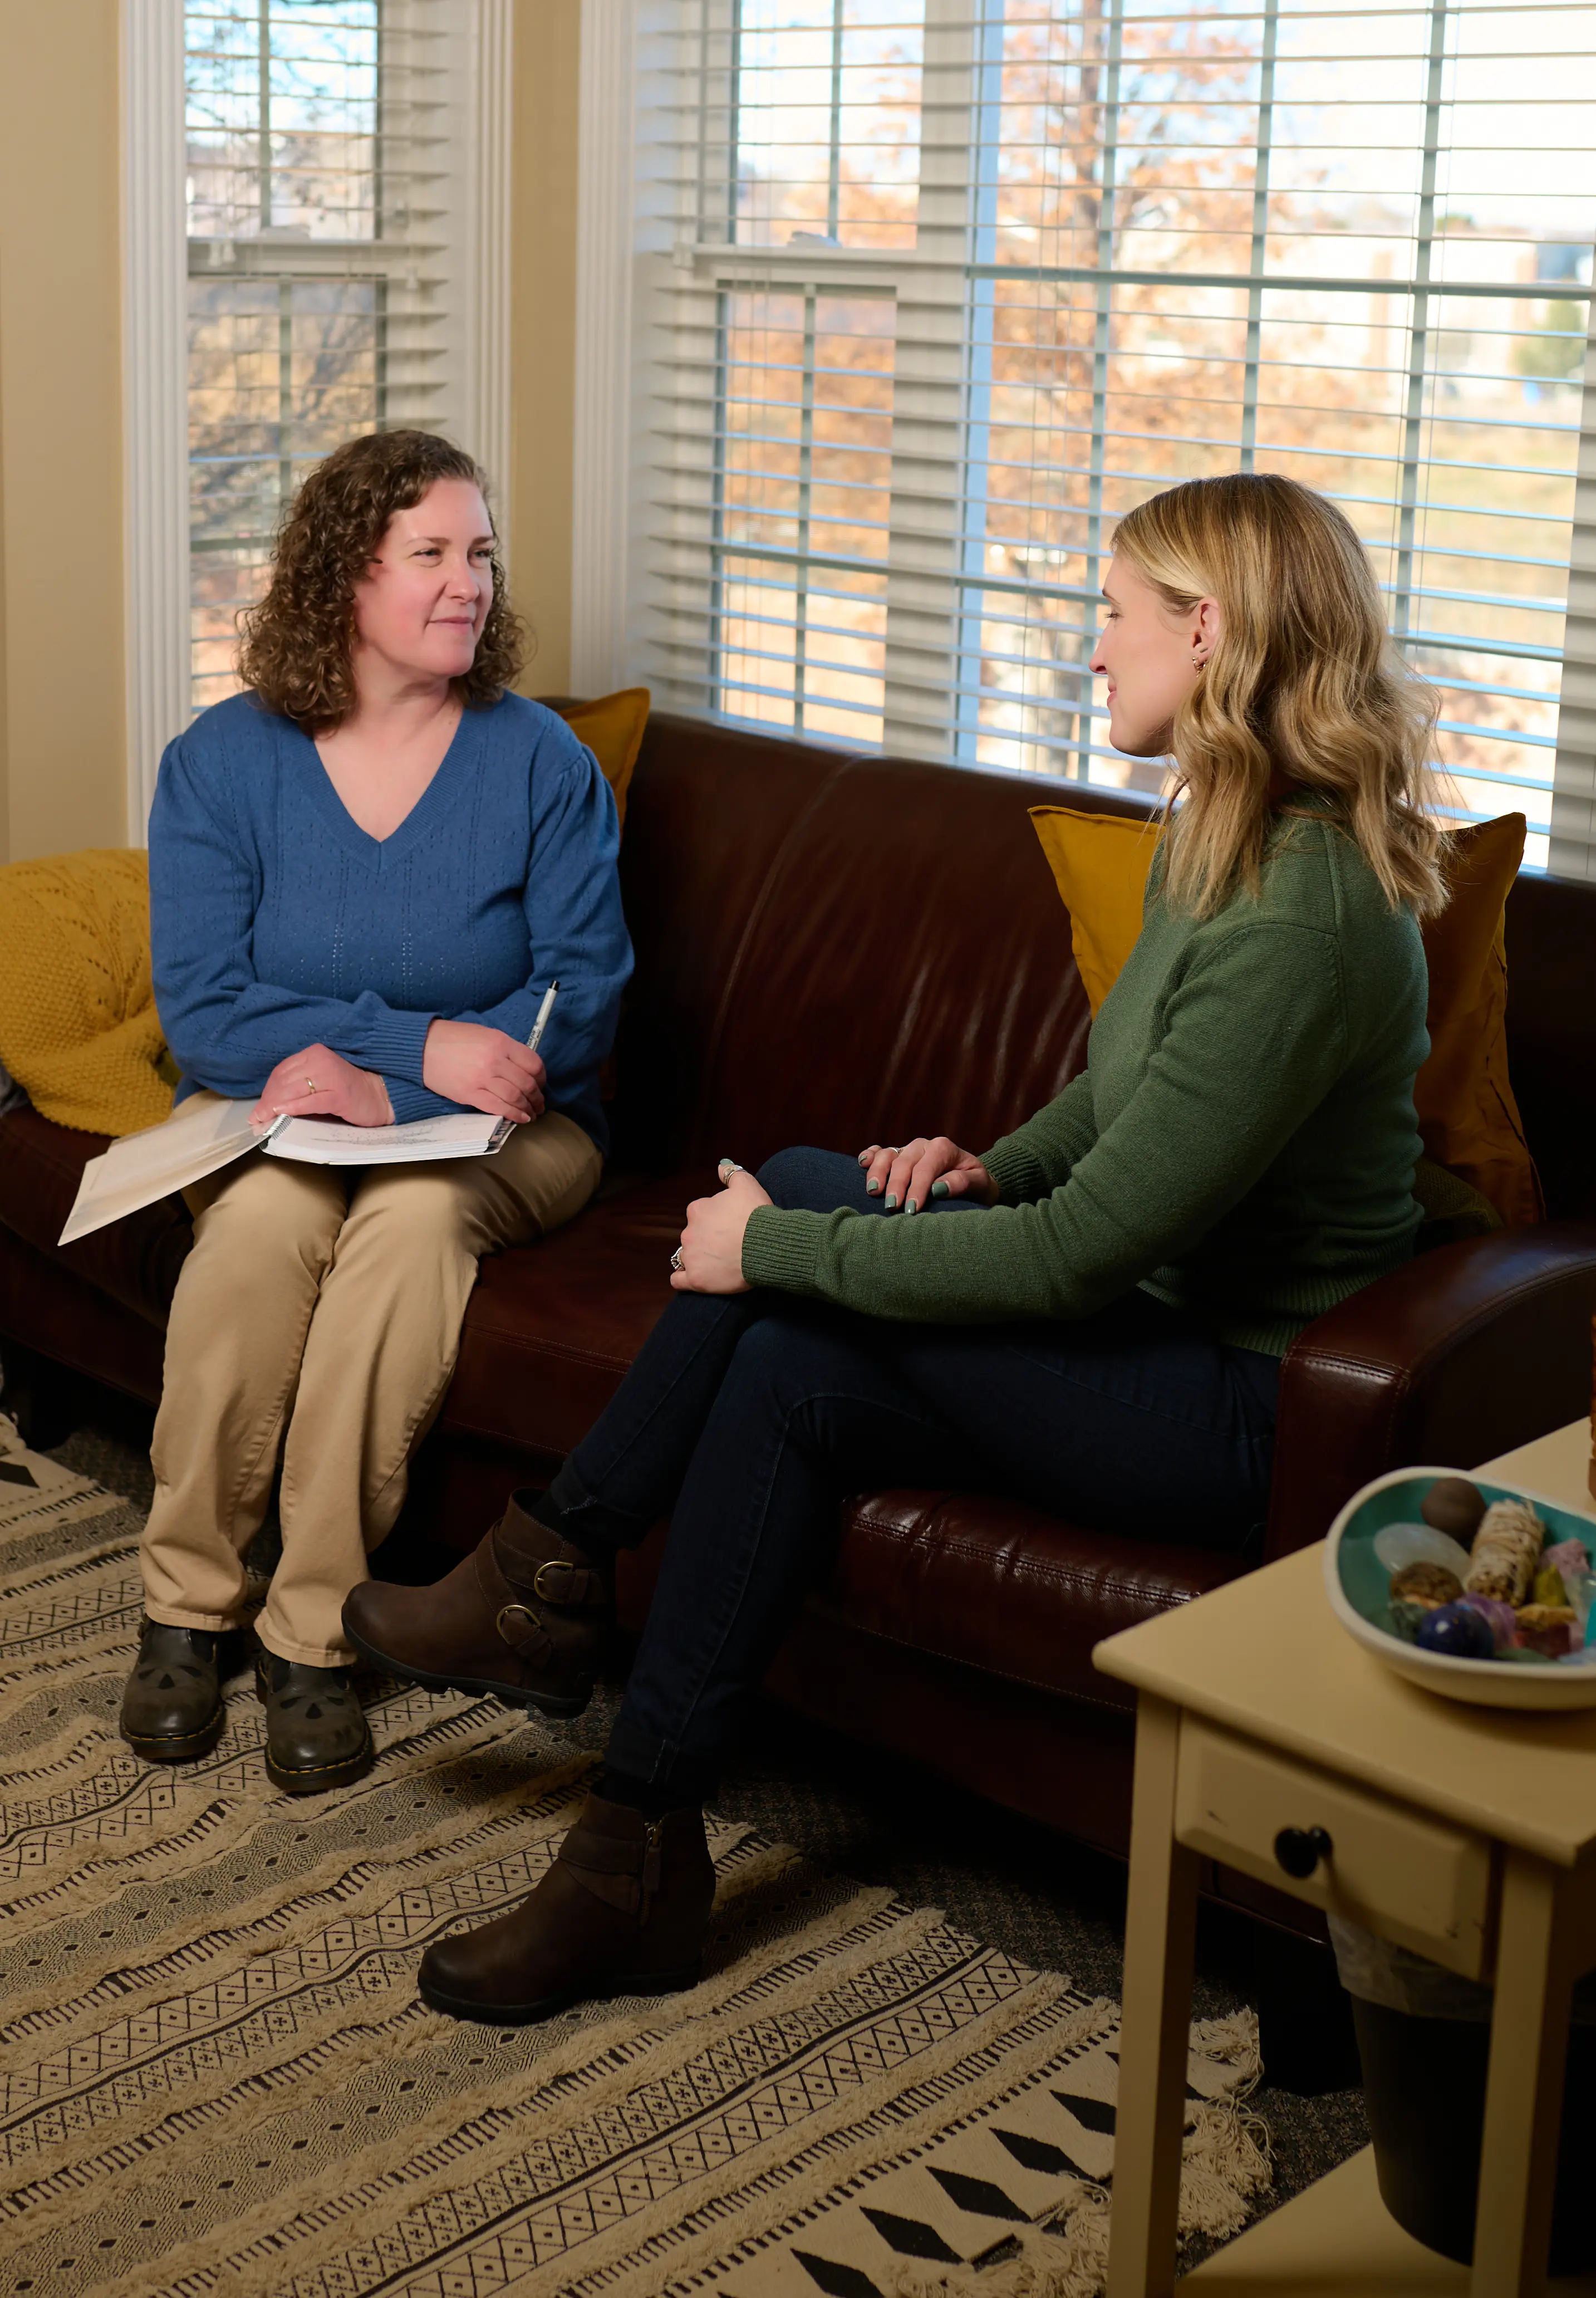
510, 1614
573, 1590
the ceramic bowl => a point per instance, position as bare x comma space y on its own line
1359, 1587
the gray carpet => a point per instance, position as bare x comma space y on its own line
1043, 1899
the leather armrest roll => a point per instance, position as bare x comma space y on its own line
1466, 1352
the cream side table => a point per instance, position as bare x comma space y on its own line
1467, 1833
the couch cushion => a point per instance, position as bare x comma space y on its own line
908, 969
136, 1260
1000, 1586
552, 1327
710, 810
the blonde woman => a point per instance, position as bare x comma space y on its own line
1100, 1331
364, 871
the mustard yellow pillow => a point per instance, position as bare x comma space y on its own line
1467, 1113
612, 729
79, 1029
1100, 863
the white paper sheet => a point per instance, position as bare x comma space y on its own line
207, 1132
327, 1141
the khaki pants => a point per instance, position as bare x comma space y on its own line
318, 1317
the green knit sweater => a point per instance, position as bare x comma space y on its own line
1240, 1144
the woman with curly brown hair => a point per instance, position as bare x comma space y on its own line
364, 871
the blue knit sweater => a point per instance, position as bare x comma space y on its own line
277, 922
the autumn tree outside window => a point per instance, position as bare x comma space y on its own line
325, 231
934, 290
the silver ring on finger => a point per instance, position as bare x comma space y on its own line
675, 1258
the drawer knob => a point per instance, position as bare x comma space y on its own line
1299, 1850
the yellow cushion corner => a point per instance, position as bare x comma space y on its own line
1100, 863
1467, 1113
612, 728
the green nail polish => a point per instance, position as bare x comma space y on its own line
939, 1189
911, 1207
890, 1203
872, 1188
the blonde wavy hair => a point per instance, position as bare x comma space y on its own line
1302, 687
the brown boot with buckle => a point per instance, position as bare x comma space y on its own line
525, 1617
622, 1911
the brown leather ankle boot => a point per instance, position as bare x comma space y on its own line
525, 1617
622, 1911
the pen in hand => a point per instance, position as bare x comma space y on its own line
544, 1010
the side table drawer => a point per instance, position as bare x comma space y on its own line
1412, 1878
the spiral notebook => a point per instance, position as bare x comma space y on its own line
207, 1132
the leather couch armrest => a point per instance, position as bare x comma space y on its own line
1464, 1353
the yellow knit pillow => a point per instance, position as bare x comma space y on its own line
612, 729
78, 1027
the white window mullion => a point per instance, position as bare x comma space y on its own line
924, 619
485, 271
154, 352
1419, 336
600, 443
1258, 254
685, 79
1573, 776
1112, 26
986, 147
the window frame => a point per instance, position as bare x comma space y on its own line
935, 582
156, 270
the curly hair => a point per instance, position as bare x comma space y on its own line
1303, 680
297, 641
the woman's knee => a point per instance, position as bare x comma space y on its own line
813, 1180
270, 1212
414, 1215
788, 1356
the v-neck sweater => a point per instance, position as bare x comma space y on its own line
277, 922
1240, 1144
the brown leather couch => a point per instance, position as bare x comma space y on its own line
835, 950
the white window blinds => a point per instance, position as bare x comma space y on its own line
324, 223
937, 289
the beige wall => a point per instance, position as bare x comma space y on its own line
543, 328
63, 739
62, 710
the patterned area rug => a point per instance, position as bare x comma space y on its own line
217, 2077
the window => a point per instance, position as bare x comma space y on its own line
940, 288
325, 219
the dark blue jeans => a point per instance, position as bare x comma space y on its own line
749, 1418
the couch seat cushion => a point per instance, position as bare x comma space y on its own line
136, 1260
1001, 1587
552, 1327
